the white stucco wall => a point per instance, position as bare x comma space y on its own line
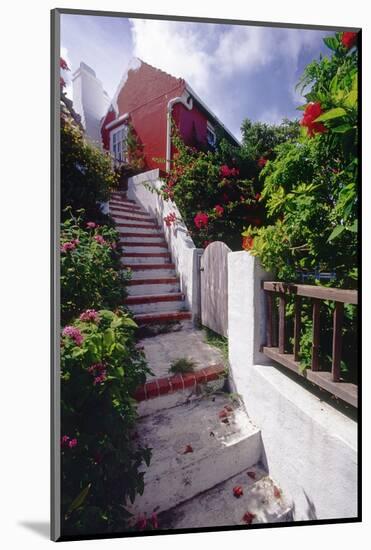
182, 248
310, 448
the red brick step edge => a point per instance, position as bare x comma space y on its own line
170, 384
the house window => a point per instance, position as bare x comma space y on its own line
119, 143
210, 135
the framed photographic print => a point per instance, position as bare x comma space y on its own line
205, 204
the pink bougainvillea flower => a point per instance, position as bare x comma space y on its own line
91, 225
154, 520
248, 517
262, 162
312, 111
70, 245
64, 440
201, 220
219, 210
63, 65
188, 449
237, 491
170, 218
224, 171
247, 242
99, 239
141, 522
74, 334
99, 372
349, 39
62, 82
89, 315
72, 443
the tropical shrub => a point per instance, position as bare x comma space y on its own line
310, 193
86, 172
101, 459
91, 274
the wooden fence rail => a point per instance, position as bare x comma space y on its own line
276, 350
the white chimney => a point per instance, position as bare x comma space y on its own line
90, 101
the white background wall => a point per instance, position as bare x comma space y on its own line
25, 275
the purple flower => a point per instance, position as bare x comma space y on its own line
89, 315
74, 334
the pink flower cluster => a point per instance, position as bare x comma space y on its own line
227, 172
63, 65
89, 315
70, 245
91, 225
201, 220
170, 218
74, 334
142, 521
66, 441
100, 239
99, 372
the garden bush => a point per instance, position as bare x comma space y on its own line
101, 459
91, 274
310, 193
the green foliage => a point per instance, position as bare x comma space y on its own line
260, 139
218, 341
86, 172
100, 370
182, 365
91, 275
310, 193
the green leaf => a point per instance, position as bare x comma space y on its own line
331, 42
79, 499
351, 99
336, 232
354, 227
342, 129
332, 113
108, 337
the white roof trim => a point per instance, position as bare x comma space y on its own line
199, 100
117, 120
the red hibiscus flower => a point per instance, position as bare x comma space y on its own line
313, 111
63, 65
237, 491
248, 517
349, 39
247, 242
201, 220
219, 210
262, 162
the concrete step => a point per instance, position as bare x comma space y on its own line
194, 448
129, 214
150, 270
161, 318
154, 303
150, 248
144, 237
133, 217
137, 228
262, 501
118, 207
143, 258
124, 203
159, 285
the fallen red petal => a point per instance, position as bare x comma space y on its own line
248, 517
188, 449
237, 491
252, 475
276, 492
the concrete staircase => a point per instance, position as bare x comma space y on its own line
154, 291
201, 436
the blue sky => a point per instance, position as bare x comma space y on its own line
239, 71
